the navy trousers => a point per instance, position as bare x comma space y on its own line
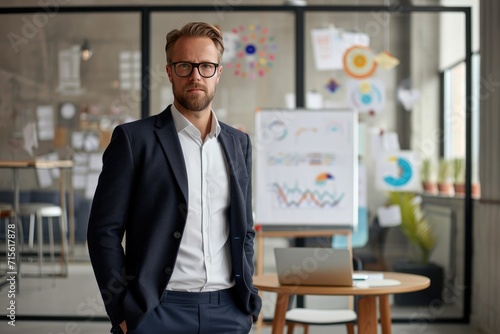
196, 313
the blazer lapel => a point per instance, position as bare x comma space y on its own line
169, 140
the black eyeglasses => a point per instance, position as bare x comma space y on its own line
206, 70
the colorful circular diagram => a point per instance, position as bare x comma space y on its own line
367, 95
359, 62
279, 129
405, 173
255, 52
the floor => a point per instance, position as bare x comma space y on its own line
29, 327
77, 295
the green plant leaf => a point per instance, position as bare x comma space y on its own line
414, 224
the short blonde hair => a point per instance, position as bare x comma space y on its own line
194, 29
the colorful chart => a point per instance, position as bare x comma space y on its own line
359, 62
367, 95
397, 171
279, 130
297, 197
255, 52
308, 176
405, 173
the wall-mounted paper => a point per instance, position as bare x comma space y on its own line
314, 100
69, 71
383, 141
389, 216
231, 41
327, 49
398, 171
391, 141
45, 122
95, 162
30, 138
330, 44
91, 185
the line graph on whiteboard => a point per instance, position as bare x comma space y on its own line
306, 167
322, 195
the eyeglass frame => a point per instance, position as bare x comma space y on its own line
193, 66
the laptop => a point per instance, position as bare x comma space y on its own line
314, 266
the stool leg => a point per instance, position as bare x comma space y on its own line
40, 242
32, 230
51, 239
350, 328
64, 245
290, 326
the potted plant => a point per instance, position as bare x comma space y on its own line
445, 170
417, 229
475, 186
427, 177
459, 176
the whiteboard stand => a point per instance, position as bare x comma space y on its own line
261, 234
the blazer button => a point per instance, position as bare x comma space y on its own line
177, 235
168, 270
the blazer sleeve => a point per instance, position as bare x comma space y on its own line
249, 240
107, 223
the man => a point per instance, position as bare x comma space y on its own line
179, 185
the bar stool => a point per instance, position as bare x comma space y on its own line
37, 212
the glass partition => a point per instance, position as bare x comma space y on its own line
65, 81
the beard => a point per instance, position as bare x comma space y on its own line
196, 102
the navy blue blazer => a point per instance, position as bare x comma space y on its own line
143, 191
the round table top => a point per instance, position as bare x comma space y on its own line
409, 283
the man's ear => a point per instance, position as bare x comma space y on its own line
169, 72
219, 73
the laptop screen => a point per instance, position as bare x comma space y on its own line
314, 266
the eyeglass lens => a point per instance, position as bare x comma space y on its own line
206, 70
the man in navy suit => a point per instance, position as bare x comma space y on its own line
178, 186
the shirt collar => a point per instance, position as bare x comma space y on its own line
182, 123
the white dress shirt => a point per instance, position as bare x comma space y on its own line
203, 262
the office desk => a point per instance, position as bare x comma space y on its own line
62, 165
367, 305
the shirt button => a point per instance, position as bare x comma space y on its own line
177, 235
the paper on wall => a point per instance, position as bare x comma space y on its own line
389, 216
330, 44
45, 122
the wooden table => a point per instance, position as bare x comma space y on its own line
367, 304
62, 165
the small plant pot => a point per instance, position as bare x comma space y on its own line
445, 188
476, 190
459, 189
430, 187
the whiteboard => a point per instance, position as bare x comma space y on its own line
306, 167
